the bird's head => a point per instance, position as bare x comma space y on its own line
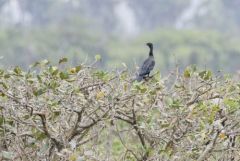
150, 45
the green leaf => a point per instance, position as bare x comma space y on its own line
187, 73
213, 112
140, 87
39, 78
232, 104
26, 117
38, 134
38, 92
4, 85
71, 79
206, 75
64, 75
53, 70
31, 80
123, 76
63, 60
44, 62
73, 157
1, 72
6, 76
35, 64
17, 70
53, 84
143, 89
179, 86
55, 114
2, 94
101, 75
1, 120
100, 95
97, 57
78, 68
176, 104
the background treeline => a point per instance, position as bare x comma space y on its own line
184, 32
172, 47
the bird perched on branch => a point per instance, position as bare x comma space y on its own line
147, 65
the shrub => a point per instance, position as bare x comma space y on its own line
83, 113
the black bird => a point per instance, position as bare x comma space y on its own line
148, 64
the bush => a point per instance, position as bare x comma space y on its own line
83, 113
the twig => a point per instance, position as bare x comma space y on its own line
209, 147
58, 144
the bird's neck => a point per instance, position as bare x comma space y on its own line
151, 52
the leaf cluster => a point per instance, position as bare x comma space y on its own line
53, 112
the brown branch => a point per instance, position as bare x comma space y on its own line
16, 100
131, 151
209, 147
139, 133
74, 129
85, 127
57, 143
123, 119
98, 84
135, 126
194, 100
87, 140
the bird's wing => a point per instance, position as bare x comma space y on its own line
144, 68
147, 66
152, 64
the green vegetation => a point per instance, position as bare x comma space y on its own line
171, 47
54, 111
21, 46
209, 49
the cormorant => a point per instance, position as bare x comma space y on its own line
147, 65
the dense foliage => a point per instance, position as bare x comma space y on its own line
53, 112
